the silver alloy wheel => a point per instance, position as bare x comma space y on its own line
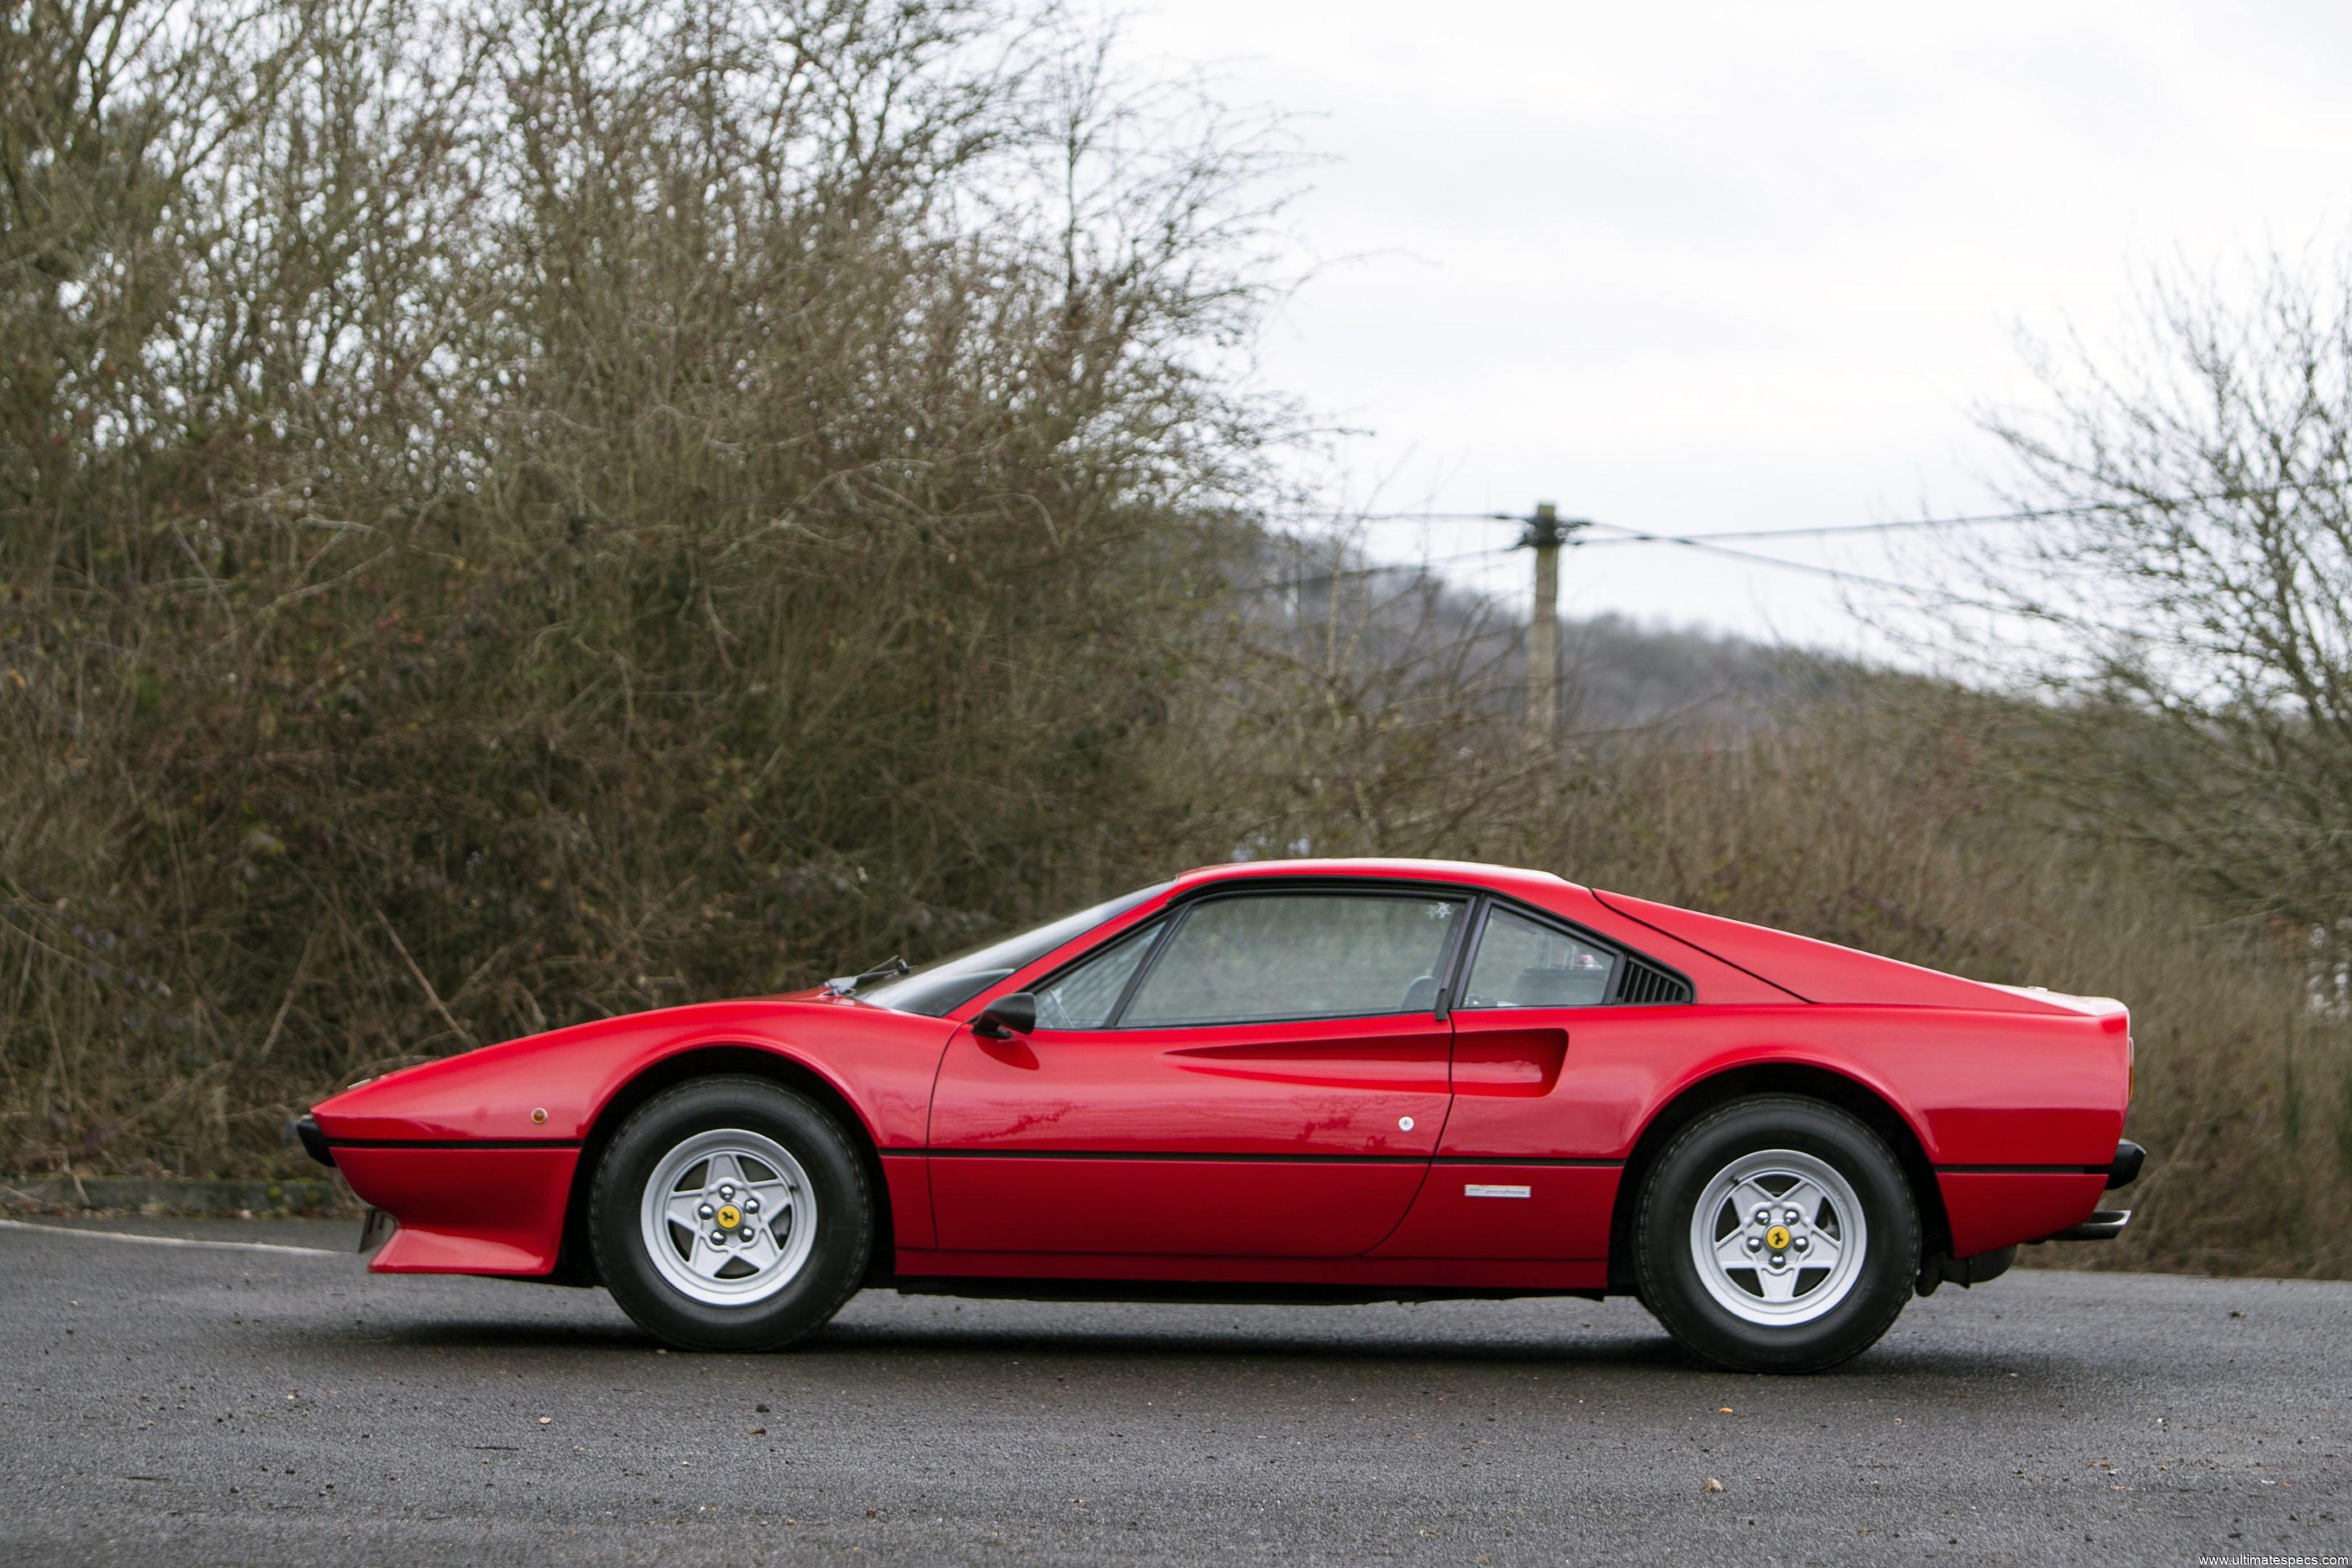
1779, 1237
729, 1217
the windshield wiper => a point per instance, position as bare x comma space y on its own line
890, 969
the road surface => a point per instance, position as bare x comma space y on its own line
221, 1404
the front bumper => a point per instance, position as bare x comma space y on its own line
304, 1129
465, 1209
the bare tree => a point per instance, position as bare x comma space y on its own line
2185, 600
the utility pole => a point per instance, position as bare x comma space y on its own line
1545, 533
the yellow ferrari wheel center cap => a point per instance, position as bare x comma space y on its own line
729, 1216
1776, 1238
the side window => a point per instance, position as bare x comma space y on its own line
1083, 997
1299, 955
1523, 964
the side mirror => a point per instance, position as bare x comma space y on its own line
1007, 1015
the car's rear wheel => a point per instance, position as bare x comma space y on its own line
730, 1214
1775, 1234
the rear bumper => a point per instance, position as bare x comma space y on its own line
2104, 1224
1991, 1208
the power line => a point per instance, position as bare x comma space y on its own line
1304, 514
1968, 520
1754, 533
1318, 579
1891, 526
1399, 568
1709, 541
1630, 536
1703, 542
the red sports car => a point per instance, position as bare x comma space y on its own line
1337, 1081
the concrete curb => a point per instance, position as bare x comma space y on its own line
167, 1194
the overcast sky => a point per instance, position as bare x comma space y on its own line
1691, 267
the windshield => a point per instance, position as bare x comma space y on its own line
941, 987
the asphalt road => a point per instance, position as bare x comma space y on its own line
204, 1404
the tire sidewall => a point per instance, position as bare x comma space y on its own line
845, 1208
1669, 1277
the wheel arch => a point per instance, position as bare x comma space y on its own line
1809, 1079
576, 1263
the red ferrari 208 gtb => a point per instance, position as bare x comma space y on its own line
1339, 1080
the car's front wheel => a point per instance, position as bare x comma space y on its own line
730, 1214
1775, 1234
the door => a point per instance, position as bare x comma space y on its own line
1518, 1175
1256, 1074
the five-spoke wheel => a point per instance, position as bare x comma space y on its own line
1778, 1237
1775, 1234
730, 1214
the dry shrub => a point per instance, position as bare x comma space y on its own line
513, 513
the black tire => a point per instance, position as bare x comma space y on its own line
1668, 1275
845, 1207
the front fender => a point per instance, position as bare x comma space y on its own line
550, 1089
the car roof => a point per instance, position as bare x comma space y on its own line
1529, 884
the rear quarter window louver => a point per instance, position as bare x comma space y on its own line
1647, 984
